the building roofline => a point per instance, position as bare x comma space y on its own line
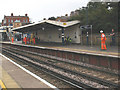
56, 23
16, 16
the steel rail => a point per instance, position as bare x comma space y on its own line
54, 58
57, 75
98, 80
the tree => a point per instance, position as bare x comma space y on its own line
52, 18
102, 15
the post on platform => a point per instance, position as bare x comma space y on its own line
87, 38
91, 35
62, 36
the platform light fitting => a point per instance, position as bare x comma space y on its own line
59, 29
43, 28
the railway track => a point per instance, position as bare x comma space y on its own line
76, 63
46, 69
66, 70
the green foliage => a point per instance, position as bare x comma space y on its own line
52, 18
102, 15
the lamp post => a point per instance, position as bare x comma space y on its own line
91, 34
43, 28
62, 36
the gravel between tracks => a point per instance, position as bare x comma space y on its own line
103, 76
75, 77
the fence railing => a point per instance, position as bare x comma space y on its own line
96, 40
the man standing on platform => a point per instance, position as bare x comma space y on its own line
103, 39
113, 38
25, 40
34, 40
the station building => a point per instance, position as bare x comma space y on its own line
52, 31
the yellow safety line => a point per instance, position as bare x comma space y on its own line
8, 80
2, 85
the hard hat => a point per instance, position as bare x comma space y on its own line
101, 31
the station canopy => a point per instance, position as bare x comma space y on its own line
45, 24
1, 31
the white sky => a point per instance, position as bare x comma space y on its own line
39, 9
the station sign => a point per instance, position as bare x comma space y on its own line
85, 27
64, 24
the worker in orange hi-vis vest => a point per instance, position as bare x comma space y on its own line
103, 39
12, 39
25, 40
34, 40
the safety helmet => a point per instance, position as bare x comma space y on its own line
101, 31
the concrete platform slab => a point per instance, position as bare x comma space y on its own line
111, 50
15, 77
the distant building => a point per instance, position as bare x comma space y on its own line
10, 20
63, 18
17, 23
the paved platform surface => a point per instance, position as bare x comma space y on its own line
14, 77
111, 50
81, 47
88, 49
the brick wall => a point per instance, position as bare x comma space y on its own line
10, 19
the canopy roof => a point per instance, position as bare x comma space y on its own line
46, 23
1, 31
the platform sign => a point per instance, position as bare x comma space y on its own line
64, 24
85, 27
63, 35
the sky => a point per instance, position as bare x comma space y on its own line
39, 9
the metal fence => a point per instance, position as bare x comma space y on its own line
96, 39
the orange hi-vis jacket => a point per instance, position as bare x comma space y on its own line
103, 39
12, 39
34, 40
25, 40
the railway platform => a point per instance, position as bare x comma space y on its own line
105, 62
86, 54
111, 50
88, 49
14, 76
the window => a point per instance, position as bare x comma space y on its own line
8, 20
4, 21
11, 20
11, 24
26, 20
59, 35
23, 20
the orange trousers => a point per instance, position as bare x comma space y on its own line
12, 40
103, 45
25, 41
34, 41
